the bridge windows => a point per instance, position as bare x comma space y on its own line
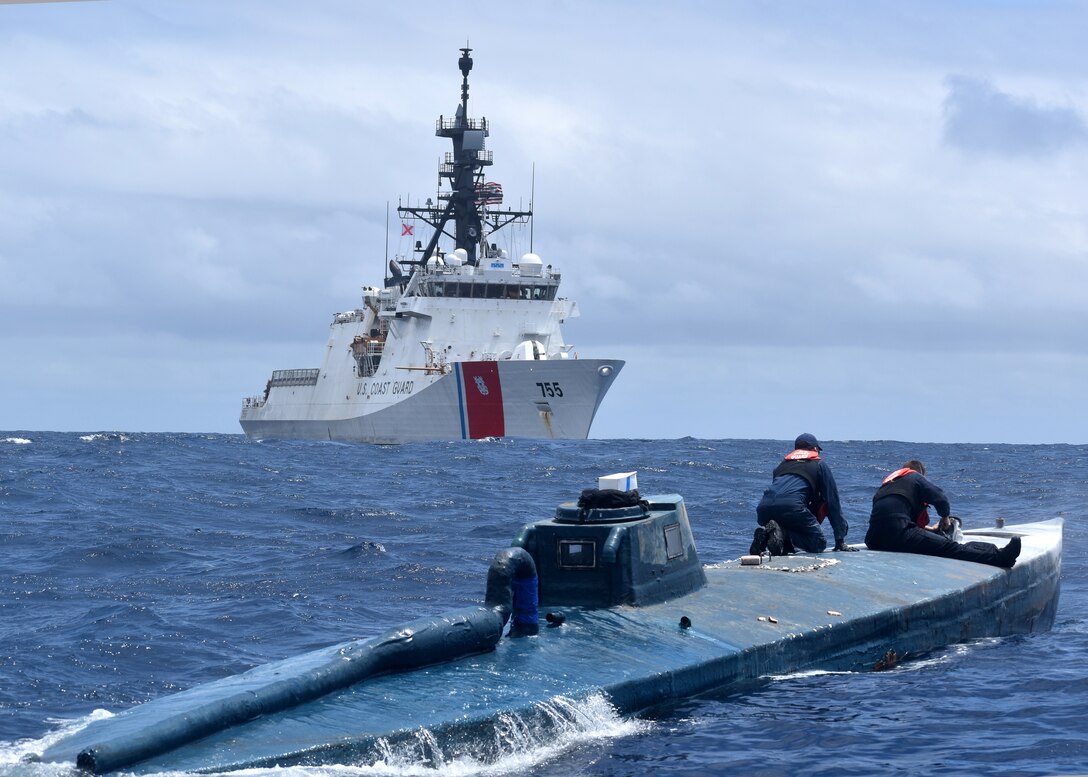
490, 290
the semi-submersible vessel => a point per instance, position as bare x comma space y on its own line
611, 603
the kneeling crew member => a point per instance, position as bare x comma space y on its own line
900, 515
801, 494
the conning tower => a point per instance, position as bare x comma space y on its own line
603, 557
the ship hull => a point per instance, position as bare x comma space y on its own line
553, 399
851, 611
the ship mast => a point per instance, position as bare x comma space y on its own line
463, 168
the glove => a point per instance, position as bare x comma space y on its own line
841, 545
948, 526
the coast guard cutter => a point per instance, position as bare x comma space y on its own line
458, 344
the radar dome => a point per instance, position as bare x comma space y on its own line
530, 265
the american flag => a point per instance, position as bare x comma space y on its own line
488, 192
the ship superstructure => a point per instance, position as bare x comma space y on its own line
460, 342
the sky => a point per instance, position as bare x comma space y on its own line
868, 221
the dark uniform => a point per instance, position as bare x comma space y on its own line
899, 515
801, 494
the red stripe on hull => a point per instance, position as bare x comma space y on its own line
483, 399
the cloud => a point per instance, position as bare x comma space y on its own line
981, 119
187, 178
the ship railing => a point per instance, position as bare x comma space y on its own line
350, 317
547, 273
444, 123
447, 163
294, 378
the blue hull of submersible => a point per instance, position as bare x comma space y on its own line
847, 611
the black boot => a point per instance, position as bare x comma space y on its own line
776, 539
759, 542
1006, 557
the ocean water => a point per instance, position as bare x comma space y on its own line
136, 565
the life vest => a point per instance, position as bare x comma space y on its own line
905, 490
897, 474
805, 464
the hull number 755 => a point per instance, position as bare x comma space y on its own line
550, 389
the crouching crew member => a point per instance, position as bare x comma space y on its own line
900, 517
802, 493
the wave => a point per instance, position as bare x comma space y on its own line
515, 744
14, 755
16, 440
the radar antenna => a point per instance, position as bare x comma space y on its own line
466, 202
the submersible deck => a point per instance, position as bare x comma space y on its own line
640, 620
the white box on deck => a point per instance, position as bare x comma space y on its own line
621, 481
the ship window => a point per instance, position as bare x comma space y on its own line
466, 291
577, 554
674, 542
478, 290
494, 291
